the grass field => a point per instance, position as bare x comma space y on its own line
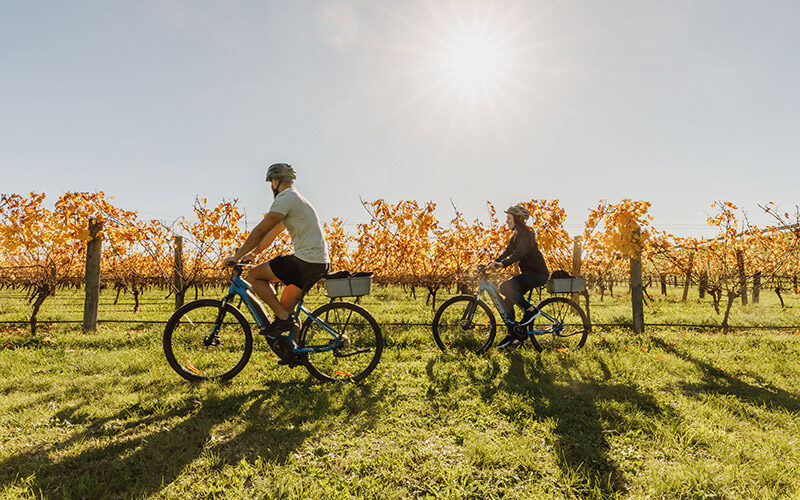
670, 414
392, 305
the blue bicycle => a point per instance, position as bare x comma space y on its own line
466, 323
211, 339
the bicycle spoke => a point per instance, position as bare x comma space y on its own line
569, 330
205, 342
356, 348
463, 324
347, 322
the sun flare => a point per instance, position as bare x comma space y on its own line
470, 67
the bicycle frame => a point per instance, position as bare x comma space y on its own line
489, 287
240, 287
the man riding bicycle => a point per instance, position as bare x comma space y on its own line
290, 211
522, 249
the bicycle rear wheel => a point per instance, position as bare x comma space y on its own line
568, 332
464, 324
352, 353
207, 340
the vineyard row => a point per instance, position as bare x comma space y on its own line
402, 243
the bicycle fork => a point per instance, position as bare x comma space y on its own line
469, 313
213, 338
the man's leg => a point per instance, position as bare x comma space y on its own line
289, 298
261, 278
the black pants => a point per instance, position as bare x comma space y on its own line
514, 290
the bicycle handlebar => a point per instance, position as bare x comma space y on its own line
483, 270
239, 267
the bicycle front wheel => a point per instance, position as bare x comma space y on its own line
464, 324
207, 340
569, 330
347, 341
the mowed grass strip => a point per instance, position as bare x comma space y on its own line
665, 415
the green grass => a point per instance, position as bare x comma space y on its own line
672, 414
666, 415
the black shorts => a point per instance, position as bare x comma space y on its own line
293, 271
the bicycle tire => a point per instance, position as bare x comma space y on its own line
356, 357
199, 361
449, 332
570, 315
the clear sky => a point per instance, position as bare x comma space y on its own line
680, 103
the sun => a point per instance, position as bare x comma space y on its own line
474, 61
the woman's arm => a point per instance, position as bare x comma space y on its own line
497, 263
522, 244
508, 251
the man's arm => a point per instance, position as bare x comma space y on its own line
269, 238
258, 234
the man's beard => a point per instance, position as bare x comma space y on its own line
274, 191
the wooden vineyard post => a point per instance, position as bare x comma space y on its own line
663, 280
177, 276
94, 251
742, 276
637, 296
688, 278
576, 264
756, 286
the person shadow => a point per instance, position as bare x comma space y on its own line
715, 380
140, 450
585, 411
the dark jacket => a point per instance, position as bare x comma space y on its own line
522, 248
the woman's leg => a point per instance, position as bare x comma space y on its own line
512, 292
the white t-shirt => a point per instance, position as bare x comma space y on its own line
302, 222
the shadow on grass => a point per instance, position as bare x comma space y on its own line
578, 407
715, 380
140, 450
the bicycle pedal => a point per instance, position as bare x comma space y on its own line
291, 361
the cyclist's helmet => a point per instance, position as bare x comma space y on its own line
519, 211
281, 171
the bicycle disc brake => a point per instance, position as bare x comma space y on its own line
213, 340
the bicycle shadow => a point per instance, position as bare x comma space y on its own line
117, 458
717, 381
585, 413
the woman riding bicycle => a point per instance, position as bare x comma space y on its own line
522, 249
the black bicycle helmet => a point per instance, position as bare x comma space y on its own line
281, 171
